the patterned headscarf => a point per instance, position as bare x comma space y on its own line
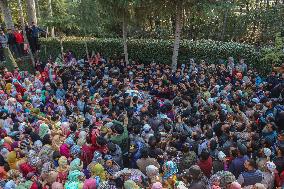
74, 176
10, 185
46, 167
43, 130
170, 169
76, 164
75, 150
130, 184
63, 163
38, 145
152, 171
69, 141
33, 158
98, 170
98, 157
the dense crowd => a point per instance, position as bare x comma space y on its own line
101, 124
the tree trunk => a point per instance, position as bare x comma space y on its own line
51, 15
178, 28
125, 49
37, 9
224, 24
24, 31
7, 14
31, 11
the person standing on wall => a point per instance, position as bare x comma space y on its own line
35, 36
19, 41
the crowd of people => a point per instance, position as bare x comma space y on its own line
101, 124
14, 40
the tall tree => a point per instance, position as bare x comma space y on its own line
178, 27
50, 16
24, 31
31, 11
121, 12
7, 14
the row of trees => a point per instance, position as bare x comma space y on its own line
250, 21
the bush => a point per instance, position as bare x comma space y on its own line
148, 50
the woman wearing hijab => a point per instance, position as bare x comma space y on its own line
62, 169
169, 176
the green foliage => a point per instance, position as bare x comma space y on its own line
274, 55
150, 50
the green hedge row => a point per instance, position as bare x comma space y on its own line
147, 50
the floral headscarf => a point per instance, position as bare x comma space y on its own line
10, 185
43, 130
170, 169
75, 150
76, 164
98, 170
98, 157
63, 163
69, 141
130, 184
74, 175
73, 180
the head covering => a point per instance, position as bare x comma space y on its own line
63, 163
43, 130
195, 171
37, 145
259, 186
12, 159
267, 152
170, 169
75, 150
46, 167
271, 166
69, 141
98, 157
56, 142
152, 171
10, 185
3, 173
57, 185
76, 164
98, 170
74, 176
221, 156
130, 184
235, 185
90, 184
157, 185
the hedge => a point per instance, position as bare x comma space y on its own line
148, 50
